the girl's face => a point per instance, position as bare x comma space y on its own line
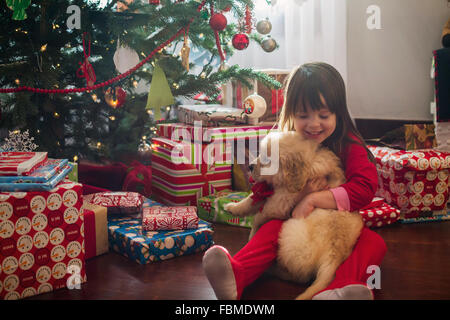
315, 125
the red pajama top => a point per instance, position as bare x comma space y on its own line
361, 179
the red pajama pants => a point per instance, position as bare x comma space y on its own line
261, 251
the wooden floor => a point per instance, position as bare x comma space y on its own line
416, 266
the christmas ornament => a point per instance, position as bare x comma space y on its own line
240, 41
19, 142
18, 6
86, 70
185, 53
269, 44
255, 106
264, 26
155, 2
115, 97
159, 94
218, 22
125, 58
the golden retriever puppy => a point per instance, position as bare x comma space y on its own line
311, 247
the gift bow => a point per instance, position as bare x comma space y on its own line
261, 191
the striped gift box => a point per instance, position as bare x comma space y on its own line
200, 134
184, 172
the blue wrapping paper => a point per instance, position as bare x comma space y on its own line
41, 175
45, 186
126, 237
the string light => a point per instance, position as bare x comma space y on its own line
75, 158
56, 115
17, 81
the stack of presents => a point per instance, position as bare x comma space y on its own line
50, 224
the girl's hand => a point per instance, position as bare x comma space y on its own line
304, 207
321, 199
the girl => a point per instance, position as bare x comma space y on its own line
316, 107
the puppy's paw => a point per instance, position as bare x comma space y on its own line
235, 208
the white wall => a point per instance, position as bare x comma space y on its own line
389, 69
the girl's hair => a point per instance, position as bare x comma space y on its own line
304, 87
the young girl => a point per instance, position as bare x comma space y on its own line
316, 107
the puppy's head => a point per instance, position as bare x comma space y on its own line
284, 160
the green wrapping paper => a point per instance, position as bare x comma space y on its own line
210, 208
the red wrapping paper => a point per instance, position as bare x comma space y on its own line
169, 218
413, 181
117, 202
379, 214
41, 240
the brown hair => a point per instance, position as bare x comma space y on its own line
304, 87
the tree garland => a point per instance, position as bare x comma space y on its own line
110, 81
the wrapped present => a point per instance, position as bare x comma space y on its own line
210, 114
413, 181
73, 175
274, 97
379, 213
20, 163
42, 174
183, 172
41, 241
199, 134
95, 230
127, 237
420, 136
210, 208
37, 186
124, 203
169, 218
427, 216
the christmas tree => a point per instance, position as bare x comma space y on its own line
69, 70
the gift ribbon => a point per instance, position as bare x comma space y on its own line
86, 70
90, 240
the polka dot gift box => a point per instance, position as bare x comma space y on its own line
127, 237
379, 214
413, 181
41, 241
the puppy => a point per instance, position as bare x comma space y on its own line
309, 247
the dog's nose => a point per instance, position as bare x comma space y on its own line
251, 166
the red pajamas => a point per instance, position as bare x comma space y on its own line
358, 191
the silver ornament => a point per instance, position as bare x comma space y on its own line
268, 44
264, 26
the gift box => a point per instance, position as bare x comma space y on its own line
379, 214
41, 241
95, 230
183, 172
199, 134
210, 208
420, 136
274, 97
123, 203
210, 114
427, 216
20, 163
169, 218
42, 174
127, 237
413, 181
38, 186
73, 175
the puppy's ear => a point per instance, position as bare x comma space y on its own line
294, 173
327, 164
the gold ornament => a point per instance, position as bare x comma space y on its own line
185, 53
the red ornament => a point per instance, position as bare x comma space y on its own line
218, 22
240, 41
155, 2
115, 100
